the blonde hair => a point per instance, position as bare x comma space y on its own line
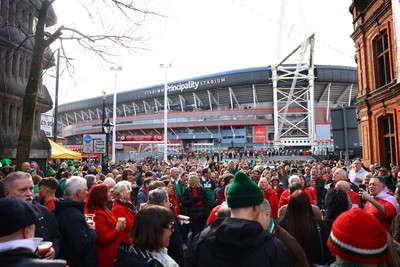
193, 177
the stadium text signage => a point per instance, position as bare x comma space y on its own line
180, 87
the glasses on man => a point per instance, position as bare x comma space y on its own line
170, 226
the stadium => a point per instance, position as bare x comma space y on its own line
253, 108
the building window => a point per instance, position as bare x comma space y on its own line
387, 140
382, 58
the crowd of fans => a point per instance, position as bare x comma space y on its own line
200, 213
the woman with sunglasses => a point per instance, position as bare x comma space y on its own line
150, 239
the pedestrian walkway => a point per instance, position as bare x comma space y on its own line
289, 158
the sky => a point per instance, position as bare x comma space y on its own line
200, 38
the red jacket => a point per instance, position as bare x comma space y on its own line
220, 196
279, 190
272, 198
173, 200
311, 195
121, 209
284, 198
107, 236
213, 214
355, 198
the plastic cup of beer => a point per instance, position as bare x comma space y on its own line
121, 219
44, 248
89, 218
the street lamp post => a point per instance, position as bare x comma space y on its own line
107, 129
56, 98
103, 111
115, 69
103, 118
165, 67
55, 120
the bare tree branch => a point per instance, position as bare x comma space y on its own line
54, 36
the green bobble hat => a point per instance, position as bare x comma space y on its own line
5, 163
243, 192
50, 171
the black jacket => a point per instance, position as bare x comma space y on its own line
23, 257
47, 228
235, 242
195, 213
78, 240
175, 249
129, 256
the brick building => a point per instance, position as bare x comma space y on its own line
378, 99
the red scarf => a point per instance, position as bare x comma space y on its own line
196, 203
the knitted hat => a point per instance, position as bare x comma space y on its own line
358, 237
243, 192
50, 171
5, 163
16, 214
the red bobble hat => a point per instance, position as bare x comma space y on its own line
358, 237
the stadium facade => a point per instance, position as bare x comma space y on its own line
232, 109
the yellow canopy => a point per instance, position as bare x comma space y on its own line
61, 152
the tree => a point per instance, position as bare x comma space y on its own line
100, 43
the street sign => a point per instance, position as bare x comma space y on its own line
94, 143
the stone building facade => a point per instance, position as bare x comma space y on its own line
17, 20
378, 90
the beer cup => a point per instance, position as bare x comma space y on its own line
44, 248
121, 219
89, 218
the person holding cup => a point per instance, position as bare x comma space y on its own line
78, 235
20, 185
123, 208
107, 227
17, 231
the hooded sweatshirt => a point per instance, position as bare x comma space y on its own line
237, 242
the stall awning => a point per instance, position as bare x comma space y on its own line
61, 152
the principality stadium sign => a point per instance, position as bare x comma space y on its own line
189, 85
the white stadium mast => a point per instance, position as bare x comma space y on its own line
293, 92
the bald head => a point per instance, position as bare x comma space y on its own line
343, 185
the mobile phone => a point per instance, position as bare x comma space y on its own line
362, 186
